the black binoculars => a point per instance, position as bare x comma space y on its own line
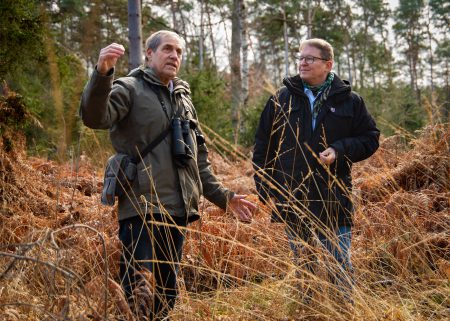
183, 144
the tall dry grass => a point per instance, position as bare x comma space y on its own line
59, 248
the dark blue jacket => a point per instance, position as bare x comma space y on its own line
287, 151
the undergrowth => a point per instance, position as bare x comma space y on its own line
59, 249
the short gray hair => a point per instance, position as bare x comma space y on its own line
155, 39
326, 50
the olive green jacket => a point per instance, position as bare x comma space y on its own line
131, 110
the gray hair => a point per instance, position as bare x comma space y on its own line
155, 39
326, 50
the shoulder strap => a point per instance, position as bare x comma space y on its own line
165, 132
153, 144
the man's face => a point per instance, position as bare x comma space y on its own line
166, 59
313, 73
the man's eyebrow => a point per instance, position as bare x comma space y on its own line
168, 45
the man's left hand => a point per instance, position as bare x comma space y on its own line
328, 156
241, 208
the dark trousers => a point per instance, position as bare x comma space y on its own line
147, 246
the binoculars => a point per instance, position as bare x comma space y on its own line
183, 144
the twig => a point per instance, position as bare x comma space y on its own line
105, 306
27, 258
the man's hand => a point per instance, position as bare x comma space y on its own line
108, 57
241, 208
328, 156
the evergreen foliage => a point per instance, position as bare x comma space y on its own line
210, 96
21, 34
250, 119
395, 108
48, 48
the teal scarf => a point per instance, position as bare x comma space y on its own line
322, 90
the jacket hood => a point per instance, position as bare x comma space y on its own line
295, 85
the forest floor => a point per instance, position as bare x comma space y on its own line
59, 248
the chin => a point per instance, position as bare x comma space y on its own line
304, 78
170, 74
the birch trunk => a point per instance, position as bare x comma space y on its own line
202, 35
245, 67
235, 64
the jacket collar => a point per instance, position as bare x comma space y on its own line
338, 86
149, 75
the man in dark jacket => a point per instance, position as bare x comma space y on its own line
164, 196
309, 134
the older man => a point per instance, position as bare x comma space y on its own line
140, 109
309, 134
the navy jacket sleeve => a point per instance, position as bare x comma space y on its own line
263, 153
364, 140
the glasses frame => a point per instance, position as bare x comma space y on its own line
308, 59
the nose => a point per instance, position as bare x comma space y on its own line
174, 54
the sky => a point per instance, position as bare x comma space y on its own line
393, 3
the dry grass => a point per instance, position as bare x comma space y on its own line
59, 248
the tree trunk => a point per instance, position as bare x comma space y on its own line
277, 73
211, 34
183, 31
413, 59
435, 111
338, 63
298, 34
362, 63
174, 9
374, 79
286, 45
245, 67
310, 15
387, 50
134, 33
235, 62
353, 69
446, 105
91, 36
223, 17
202, 36
349, 64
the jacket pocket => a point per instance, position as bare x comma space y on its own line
338, 123
120, 173
190, 189
144, 175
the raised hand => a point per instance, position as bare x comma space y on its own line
108, 57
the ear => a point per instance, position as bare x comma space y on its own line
148, 53
329, 65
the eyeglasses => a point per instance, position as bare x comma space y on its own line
309, 59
